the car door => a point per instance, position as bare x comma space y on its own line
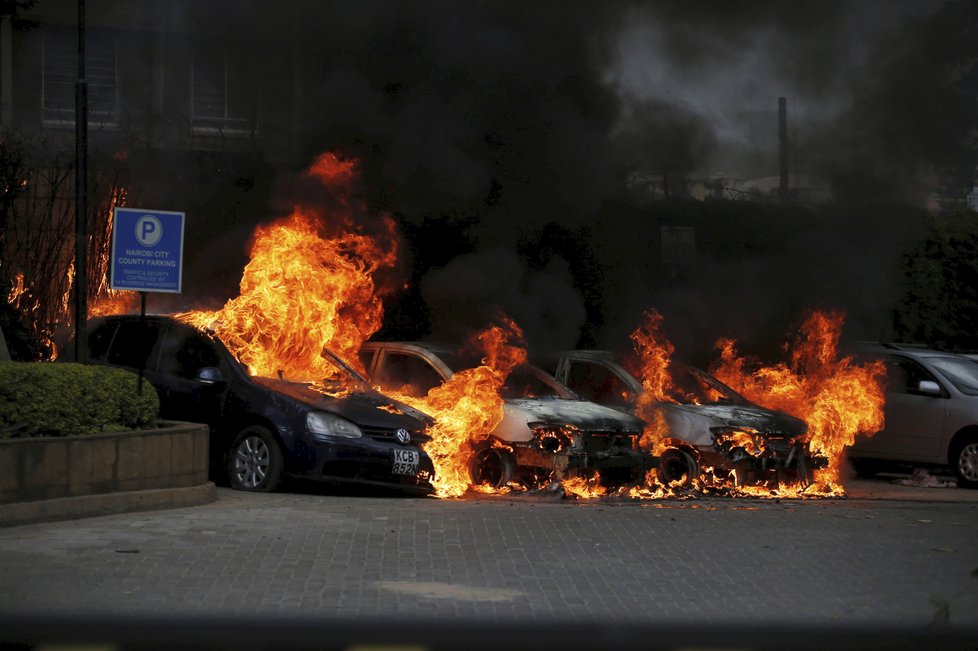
134, 345
914, 421
184, 395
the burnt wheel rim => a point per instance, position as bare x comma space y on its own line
490, 468
675, 466
251, 462
968, 462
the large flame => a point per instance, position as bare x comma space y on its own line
468, 406
310, 283
654, 353
837, 397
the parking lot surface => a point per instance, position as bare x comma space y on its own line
896, 565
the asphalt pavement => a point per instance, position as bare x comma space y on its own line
889, 566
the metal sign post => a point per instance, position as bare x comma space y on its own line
147, 255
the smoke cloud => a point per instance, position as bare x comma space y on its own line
496, 121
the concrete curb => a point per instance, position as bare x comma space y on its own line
85, 506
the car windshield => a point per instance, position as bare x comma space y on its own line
344, 375
693, 386
524, 381
961, 372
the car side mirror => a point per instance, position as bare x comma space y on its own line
929, 388
210, 375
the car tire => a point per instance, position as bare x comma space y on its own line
491, 466
964, 461
255, 460
677, 465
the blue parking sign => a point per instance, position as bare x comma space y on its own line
147, 250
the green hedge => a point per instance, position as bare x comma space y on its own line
61, 399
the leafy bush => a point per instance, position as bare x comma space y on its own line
46, 399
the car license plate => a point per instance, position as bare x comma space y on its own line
406, 462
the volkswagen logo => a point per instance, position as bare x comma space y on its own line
403, 436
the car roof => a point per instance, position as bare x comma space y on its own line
911, 350
433, 347
610, 356
132, 317
588, 354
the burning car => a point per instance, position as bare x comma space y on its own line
547, 431
707, 425
265, 429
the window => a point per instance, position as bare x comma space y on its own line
598, 384
407, 374
99, 341
522, 383
133, 345
962, 373
186, 351
60, 73
366, 359
905, 375
219, 96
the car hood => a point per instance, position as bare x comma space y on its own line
559, 412
369, 409
692, 423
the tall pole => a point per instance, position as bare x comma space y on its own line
81, 197
783, 145
6, 69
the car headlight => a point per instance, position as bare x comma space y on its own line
323, 425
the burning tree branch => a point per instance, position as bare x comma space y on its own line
37, 228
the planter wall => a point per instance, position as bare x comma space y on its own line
172, 456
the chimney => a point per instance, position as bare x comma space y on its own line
783, 146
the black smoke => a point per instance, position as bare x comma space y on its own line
528, 148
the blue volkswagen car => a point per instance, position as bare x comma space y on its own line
263, 430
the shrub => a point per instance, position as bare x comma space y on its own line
46, 399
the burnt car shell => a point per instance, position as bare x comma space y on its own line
698, 424
583, 436
726, 432
546, 427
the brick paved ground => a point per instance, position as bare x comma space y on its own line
827, 565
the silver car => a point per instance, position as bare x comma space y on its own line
709, 426
547, 432
931, 414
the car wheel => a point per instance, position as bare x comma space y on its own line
255, 461
965, 462
676, 465
491, 466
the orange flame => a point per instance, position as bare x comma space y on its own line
584, 488
115, 301
17, 290
468, 406
835, 396
310, 283
654, 353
